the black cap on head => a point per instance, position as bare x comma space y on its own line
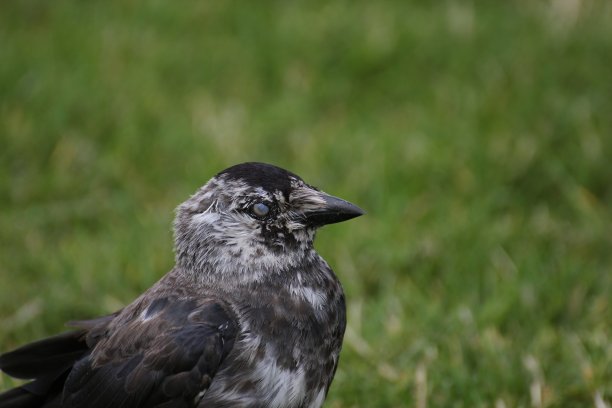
266, 176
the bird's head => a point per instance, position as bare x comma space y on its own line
254, 215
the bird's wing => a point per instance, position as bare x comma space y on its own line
47, 363
166, 356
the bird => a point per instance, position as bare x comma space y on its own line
249, 316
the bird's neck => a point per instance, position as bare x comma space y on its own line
237, 266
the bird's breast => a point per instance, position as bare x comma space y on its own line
287, 350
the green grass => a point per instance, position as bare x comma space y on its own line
477, 135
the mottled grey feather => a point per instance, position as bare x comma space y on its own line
250, 316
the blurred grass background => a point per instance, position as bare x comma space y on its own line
477, 135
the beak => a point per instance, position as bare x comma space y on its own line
330, 210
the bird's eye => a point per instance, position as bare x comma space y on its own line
261, 210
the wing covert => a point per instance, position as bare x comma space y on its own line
166, 354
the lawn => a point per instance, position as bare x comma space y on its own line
477, 135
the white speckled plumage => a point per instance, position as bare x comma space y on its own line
250, 316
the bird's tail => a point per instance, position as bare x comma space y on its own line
47, 363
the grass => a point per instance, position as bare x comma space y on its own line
477, 135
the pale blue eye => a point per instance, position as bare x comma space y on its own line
261, 210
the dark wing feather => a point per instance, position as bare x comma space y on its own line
44, 356
170, 357
47, 362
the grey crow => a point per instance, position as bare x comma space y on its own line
250, 315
